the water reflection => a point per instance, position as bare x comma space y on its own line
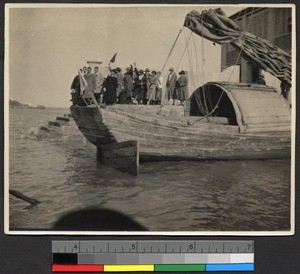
211, 196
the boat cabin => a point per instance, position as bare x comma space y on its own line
252, 107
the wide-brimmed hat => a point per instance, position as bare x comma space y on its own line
153, 71
147, 70
182, 72
171, 69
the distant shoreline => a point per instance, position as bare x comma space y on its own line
17, 104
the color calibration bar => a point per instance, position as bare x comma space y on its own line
152, 256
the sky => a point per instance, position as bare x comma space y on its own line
47, 46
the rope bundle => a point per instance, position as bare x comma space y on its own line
215, 26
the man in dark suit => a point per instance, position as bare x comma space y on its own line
110, 88
128, 84
171, 86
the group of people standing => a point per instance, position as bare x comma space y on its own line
134, 87
177, 88
94, 83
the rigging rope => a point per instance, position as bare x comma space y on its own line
219, 100
171, 51
242, 46
183, 52
190, 63
205, 107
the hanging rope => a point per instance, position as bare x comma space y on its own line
183, 52
171, 51
242, 46
190, 63
219, 100
204, 106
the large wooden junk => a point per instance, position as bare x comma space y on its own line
221, 120
249, 122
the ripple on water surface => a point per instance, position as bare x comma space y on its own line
212, 196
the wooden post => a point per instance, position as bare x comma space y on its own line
23, 197
122, 156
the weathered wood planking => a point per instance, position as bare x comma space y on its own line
89, 122
258, 107
182, 130
195, 145
265, 134
161, 139
123, 156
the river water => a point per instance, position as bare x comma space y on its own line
63, 175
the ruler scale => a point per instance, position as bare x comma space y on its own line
152, 256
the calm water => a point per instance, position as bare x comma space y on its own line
63, 175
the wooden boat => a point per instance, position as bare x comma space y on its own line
250, 122
222, 120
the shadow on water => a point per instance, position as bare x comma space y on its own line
96, 220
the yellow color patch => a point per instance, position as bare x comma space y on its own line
128, 267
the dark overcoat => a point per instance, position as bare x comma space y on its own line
182, 84
110, 95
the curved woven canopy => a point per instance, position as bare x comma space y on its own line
215, 26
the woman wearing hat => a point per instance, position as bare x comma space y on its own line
181, 85
152, 88
140, 86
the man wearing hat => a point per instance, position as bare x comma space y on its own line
110, 88
91, 82
171, 86
99, 81
260, 80
120, 80
128, 84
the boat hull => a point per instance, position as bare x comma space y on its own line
176, 137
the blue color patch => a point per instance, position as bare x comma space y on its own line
230, 267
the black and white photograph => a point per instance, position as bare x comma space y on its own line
149, 119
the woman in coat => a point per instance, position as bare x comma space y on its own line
152, 88
181, 84
140, 86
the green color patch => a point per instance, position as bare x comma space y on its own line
179, 267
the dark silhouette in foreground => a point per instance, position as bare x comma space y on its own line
97, 220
